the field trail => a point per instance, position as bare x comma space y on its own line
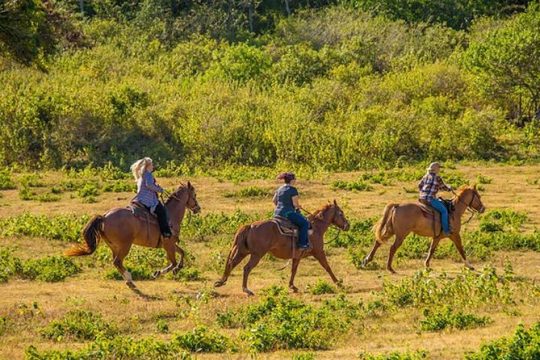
29, 305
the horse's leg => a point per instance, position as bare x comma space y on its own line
118, 259
168, 245
321, 257
180, 252
433, 246
229, 266
456, 239
371, 254
295, 263
397, 243
253, 261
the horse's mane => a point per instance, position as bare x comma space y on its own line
176, 193
463, 188
318, 214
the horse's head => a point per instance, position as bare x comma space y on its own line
192, 202
339, 218
190, 197
471, 197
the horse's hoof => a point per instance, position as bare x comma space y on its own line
293, 288
392, 271
219, 283
248, 292
156, 274
469, 266
364, 263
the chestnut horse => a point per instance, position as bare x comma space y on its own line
262, 237
402, 219
119, 228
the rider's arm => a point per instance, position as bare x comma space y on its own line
274, 199
149, 182
421, 183
295, 202
443, 186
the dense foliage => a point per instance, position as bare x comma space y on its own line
336, 85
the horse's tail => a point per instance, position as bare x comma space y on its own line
384, 227
91, 234
240, 242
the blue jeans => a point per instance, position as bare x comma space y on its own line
438, 204
303, 227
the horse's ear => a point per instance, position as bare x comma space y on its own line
474, 187
189, 185
335, 202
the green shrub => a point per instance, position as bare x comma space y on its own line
304, 356
351, 185
31, 180
202, 339
502, 219
3, 325
447, 318
417, 355
59, 227
6, 183
120, 347
280, 322
9, 265
200, 228
162, 326
49, 269
79, 325
524, 344
88, 192
481, 179
466, 289
46, 197
321, 287
26, 194
249, 192
187, 274
120, 186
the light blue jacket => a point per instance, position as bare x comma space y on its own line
147, 190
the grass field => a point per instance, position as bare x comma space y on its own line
379, 313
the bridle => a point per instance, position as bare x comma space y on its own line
339, 229
469, 208
173, 195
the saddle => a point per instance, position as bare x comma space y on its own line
140, 211
431, 213
287, 228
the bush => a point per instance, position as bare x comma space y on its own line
5, 180
60, 227
447, 318
202, 339
321, 287
351, 185
524, 344
418, 355
122, 348
249, 192
79, 325
9, 265
49, 269
502, 219
280, 322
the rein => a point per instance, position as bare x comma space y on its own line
331, 224
468, 206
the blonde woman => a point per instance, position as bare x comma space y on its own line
147, 191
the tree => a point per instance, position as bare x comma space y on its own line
507, 66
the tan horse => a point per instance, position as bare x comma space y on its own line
402, 219
262, 237
119, 228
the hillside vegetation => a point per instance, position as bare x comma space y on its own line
331, 85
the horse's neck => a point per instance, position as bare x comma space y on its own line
322, 222
177, 210
460, 204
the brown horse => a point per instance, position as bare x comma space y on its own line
120, 229
402, 219
262, 237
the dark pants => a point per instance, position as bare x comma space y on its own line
163, 219
303, 227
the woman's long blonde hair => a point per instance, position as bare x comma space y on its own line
139, 167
